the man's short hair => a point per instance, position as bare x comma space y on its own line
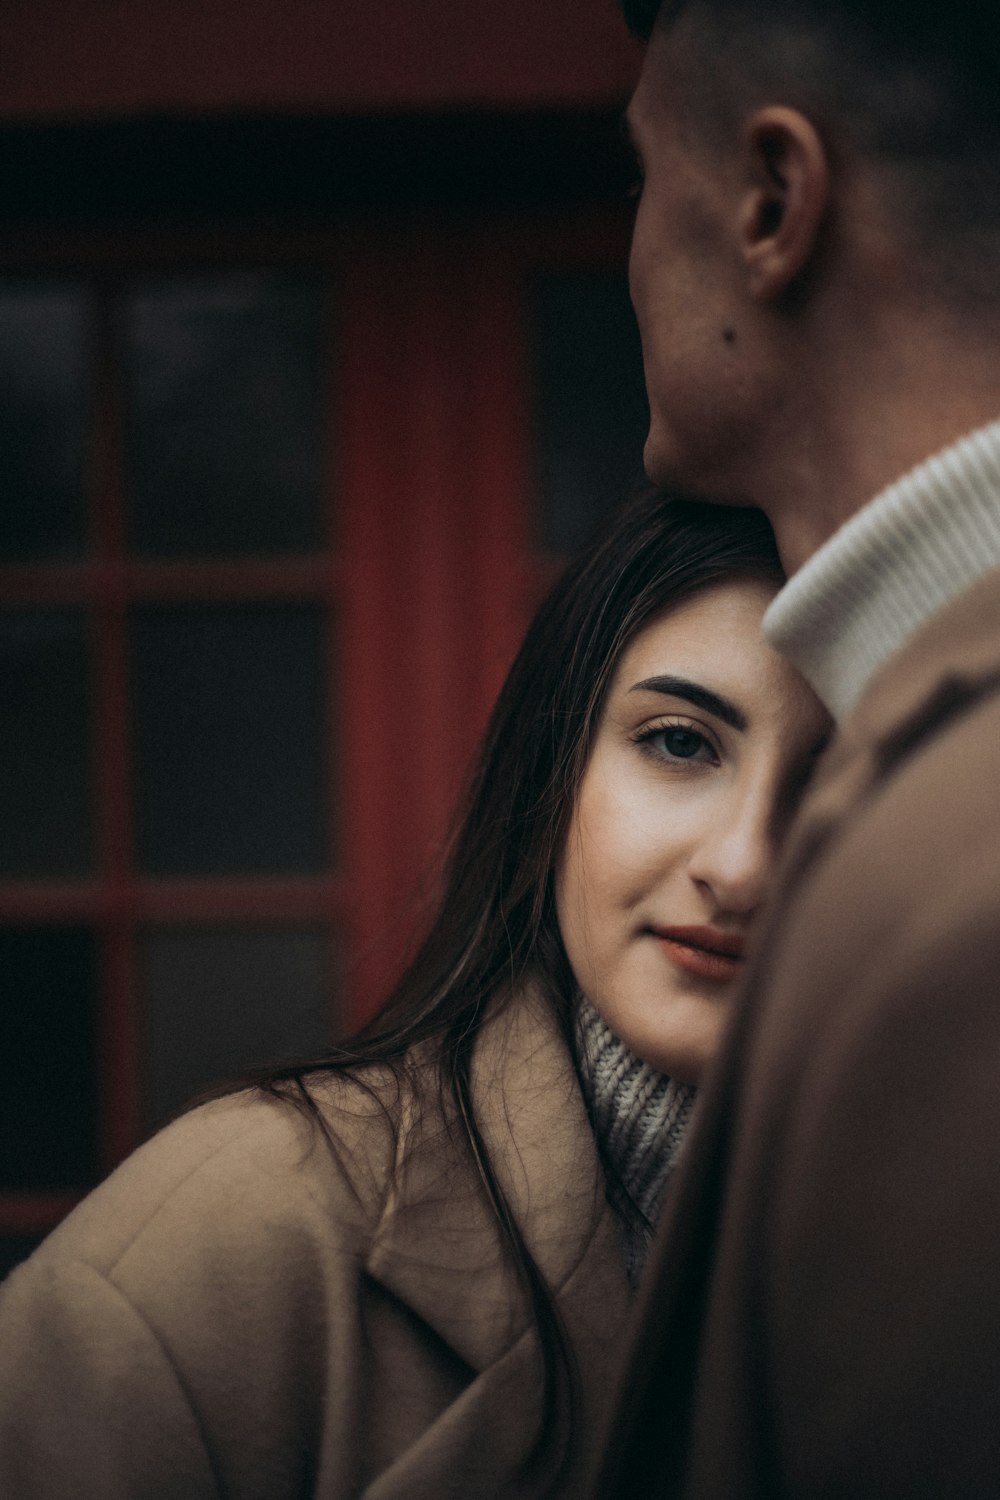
962, 36
914, 85
640, 17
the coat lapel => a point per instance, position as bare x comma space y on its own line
437, 1246
953, 661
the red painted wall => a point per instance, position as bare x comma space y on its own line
70, 59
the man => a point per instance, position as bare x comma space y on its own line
816, 274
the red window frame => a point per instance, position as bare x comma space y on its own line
431, 574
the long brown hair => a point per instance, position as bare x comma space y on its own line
496, 923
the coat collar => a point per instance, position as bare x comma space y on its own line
437, 1246
953, 661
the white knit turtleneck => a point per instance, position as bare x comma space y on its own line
890, 568
640, 1119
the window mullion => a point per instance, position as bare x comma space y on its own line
112, 781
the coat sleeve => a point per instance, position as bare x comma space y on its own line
91, 1404
883, 1301
877, 1139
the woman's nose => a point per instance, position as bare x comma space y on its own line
734, 858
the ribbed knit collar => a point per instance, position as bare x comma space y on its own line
890, 568
640, 1118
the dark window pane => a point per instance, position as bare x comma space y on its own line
591, 415
225, 413
48, 1025
44, 743
229, 739
14, 1248
42, 335
218, 1003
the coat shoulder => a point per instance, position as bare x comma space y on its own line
234, 1175
210, 1296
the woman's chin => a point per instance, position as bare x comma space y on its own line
680, 1039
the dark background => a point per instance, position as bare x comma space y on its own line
317, 360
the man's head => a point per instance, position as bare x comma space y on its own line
820, 219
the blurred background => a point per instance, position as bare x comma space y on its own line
316, 361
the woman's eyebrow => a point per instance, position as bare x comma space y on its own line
693, 692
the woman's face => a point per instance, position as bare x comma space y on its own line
705, 743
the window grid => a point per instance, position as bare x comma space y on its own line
466, 465
116, 899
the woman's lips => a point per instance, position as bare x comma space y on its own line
702, 951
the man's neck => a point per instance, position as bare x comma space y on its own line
878, 418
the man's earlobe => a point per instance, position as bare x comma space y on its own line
786, 199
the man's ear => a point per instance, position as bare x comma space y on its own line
786, 201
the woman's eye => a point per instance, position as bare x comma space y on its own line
678, 743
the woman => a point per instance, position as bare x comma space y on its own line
413, 1283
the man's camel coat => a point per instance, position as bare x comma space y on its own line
821, 1317
240, 1312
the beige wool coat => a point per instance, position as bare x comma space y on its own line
821, 1315
237, 1313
